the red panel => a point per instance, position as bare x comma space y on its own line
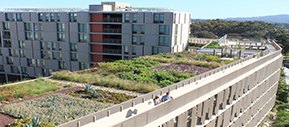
96, 27
96, 48
97, 17
96, 37
96, 58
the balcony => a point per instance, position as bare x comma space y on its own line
112, 19
115, 51
112, 30
6, 36
7, 45
117, 41
111, 58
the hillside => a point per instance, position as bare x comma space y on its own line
284, 18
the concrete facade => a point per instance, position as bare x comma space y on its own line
36, 42
238, 94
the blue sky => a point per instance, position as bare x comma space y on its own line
203, 9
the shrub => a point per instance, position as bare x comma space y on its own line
112, 76
126, 75
165, 83
70, 85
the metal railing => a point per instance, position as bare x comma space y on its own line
112, 30
116, 51
112, 20
118, 41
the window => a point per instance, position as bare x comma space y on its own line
176, 31
48, 55
125, 49
52, 17
36, 37
142, 30
73, 17
164, 29
24, 70
13, 52
163, 41
82, 27
58, 17
9, 60
126, 18
62, 65
134, 28
83, 66
158, 18
42, 45
56, 55
41, 35
28, 36
134, 18
35, 26
6, 35
59, 46
22, 53
73, 47
54, 45
30, 62
15, 69
6, 25
7, 43
134, 50
7, 16
134, 40
40, 27
175, 17
40, 63
19, 16
46, 17
61, 36
1, 52
142, 40
157, 50
82, 37
43, 54
48, 45
1, 68
60, 27
12, 17
40, 16
176, 40
74, 56
28, 26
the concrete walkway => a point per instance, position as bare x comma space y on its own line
286, 70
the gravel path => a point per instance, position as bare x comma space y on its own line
115, 90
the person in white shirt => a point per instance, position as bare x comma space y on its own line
157, 100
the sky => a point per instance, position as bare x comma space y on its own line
200, 9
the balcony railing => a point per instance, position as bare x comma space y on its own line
111, 30
6, 36
7, 45
118, 41
112, 20
116, 51
109, 60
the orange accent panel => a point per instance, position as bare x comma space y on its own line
96, 58
96, 48
97, 17
96, 27
96, 37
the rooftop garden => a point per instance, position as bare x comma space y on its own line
146, 73
215, 45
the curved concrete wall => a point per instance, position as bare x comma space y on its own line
237, 94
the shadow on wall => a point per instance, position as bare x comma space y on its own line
130, 113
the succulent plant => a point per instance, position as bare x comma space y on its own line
87, 88
95, 94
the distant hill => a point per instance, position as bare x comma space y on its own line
284, 18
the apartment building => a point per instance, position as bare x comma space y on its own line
35, 42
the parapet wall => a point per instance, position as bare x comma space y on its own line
238, 94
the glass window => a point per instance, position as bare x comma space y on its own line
82, 37
48, 45
74, 56
126, 17
28, 26
21, 44
54, 46
2, 68
7, 43
62, 65
59, 46
1, 52
30, 62
156, 17
83, 66
24, 70
167, 29
7, 16
125, 49
36, 37
161, 17
58, 17
9, 60
12, 17
73, 47
52, 17
46, 17
35, 27
142, 40
6, 25
40, 16
42, 45
161, 28
61, 27
48, 55
15, 69
22, 53
134, 28
43, 54
41, 35
40, 27
134, 39
142, 29
166, 41
19, 16
134, 17
133, 50
73, 17
28, 36
82, 27
61, 36
176, 31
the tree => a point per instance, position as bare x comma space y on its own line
204, 34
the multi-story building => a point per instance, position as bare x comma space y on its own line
36, 42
